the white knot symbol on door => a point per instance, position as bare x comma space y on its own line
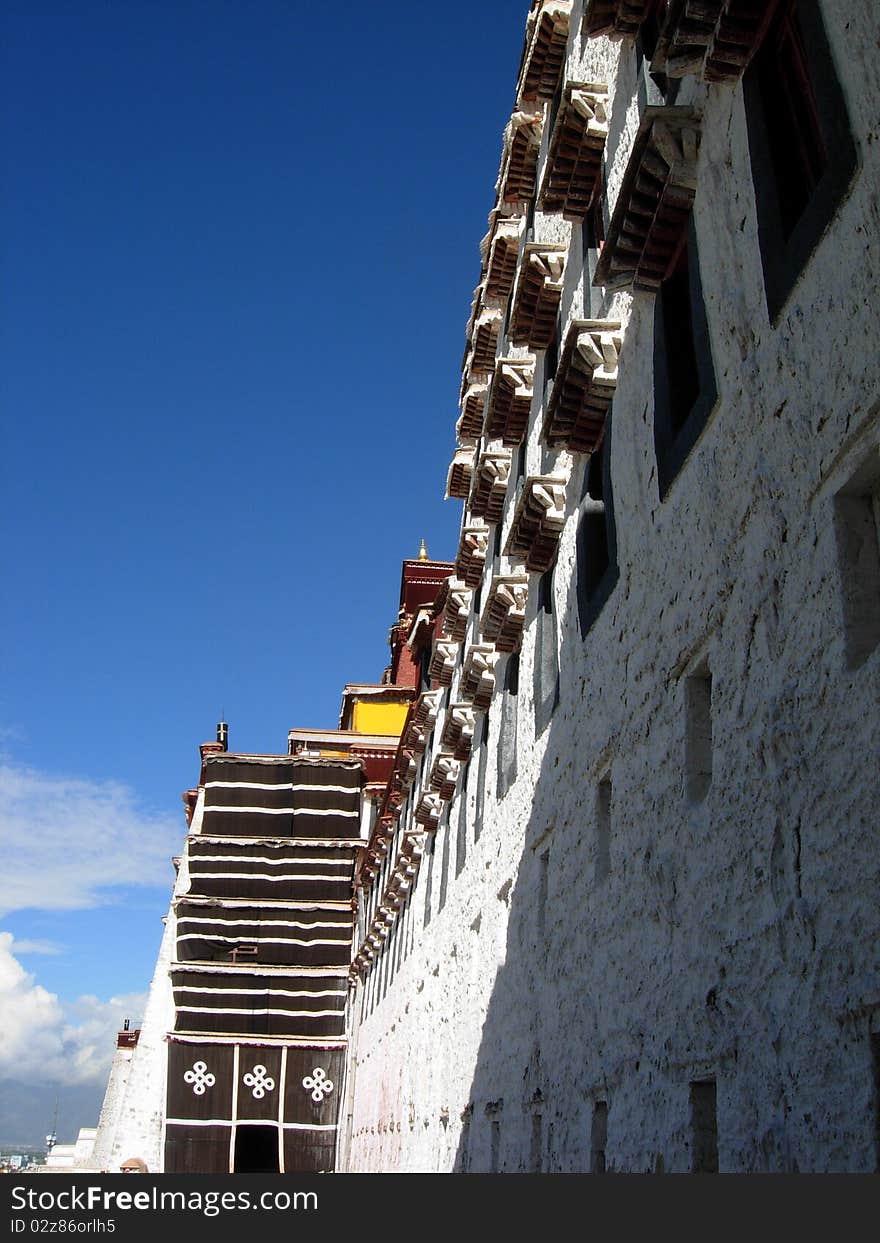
200, 1077
260, 1082
318, 1084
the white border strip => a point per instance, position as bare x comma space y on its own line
288, 1014
286, 811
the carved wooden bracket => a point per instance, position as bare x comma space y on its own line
444, 775
538, 522
546, 38
614, 17
461, 473
443, 662
519, 161
422, 720
456, 611
537, 294
473, 405
472, 550
458, 730
655, 200
502, 252
505, 612
487, 326
584, 385
510, 399
571, 175
489, 486
714, 38
429, 810
408, 768
478, 675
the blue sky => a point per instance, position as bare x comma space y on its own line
239, 246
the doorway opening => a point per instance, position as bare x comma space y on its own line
256, 1150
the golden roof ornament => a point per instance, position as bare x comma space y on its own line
423, 552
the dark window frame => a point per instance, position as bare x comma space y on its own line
785, 254
593, 592
545, 674
676, 432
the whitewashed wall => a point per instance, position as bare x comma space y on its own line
735, 938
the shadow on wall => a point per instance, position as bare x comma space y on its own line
670, 996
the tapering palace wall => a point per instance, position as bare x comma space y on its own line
643, 935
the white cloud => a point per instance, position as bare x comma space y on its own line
36, 947
67, 842
42, 1040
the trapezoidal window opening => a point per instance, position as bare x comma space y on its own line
598, 1137
685, 391
596, 541
704, 1127
546, 668
507, 734
603, 830
802, 151
857, 534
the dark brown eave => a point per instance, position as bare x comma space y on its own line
654, 205
538, 522
571, 175
522, 142
472, 549
713, 38
421, 721
584, 386
502, 255
461, 473
490, 480
473, 407
546, 39
484, 341
614, 17
428, 811
458, 730
444, 775
504, 614
510, 399
537, 294
455, 612
477, 681
443, 660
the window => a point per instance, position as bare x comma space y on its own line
546, 673
597, 570
704, 1127
592, 238
543, 892
857, 532
598, 1137
875, 1066
482, 763
684, 377
802, 152
698, 734
507, 735
535, 1162
603, 830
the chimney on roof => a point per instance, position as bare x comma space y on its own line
223, 735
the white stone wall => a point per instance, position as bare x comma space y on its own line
734, 938
134, 1125
114, 1098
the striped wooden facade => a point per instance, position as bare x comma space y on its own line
264, 930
